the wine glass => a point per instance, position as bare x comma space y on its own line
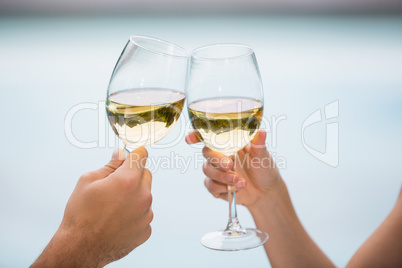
225, 105
146, 92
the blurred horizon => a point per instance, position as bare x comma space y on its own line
180, 7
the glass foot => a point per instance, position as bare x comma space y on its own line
221, 240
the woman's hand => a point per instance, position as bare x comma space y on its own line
254, 176
262, 190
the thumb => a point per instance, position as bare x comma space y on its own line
258, 143
116, 161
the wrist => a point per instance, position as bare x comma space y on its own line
269, 200
68, 249
275, 209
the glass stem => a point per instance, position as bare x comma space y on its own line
127, 151
233, 227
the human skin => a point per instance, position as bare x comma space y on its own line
107, 216
262, 190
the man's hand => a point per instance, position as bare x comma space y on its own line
106, 217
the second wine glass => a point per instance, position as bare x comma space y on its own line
225, 105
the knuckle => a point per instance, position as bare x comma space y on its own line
205, 168
133, 177
206, 182
150, 216
147, 200
148, 232
130, 182
205, 151
209, 185
86, 176
225, 163
212, 188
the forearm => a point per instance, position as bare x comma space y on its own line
289, 244
64, 250
384, 247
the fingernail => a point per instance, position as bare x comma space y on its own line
231, 188
232, 178
240, 184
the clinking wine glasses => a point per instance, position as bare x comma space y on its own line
146, 95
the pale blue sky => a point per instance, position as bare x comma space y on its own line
48, 65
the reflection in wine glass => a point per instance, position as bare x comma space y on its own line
225, 105
146, 92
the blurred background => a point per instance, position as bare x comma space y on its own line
57, 54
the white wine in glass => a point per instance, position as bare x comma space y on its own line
226, 124
225, 105
136, 122
146, 92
